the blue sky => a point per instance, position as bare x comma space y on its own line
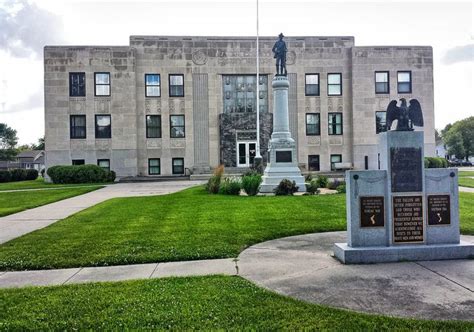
26, 26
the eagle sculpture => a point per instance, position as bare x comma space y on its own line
406, 116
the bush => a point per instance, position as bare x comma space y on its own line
435, 162
251, 172
308, 177
335, 184
322, 181
341, 188
212, 186
312, 187
43, 170
79, 174
286, 187
251, 183
18, 174
5, 176
230, 186
31, 174
111, 176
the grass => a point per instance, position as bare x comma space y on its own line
466, 179
465, 173
183, 226
13, 202
201, 303
39, 183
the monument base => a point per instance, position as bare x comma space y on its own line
273, 176
368, 255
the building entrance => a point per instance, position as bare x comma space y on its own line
246, 153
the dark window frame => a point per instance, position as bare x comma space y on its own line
337, 124
319, 163
70, 84
319, 124
96, 126
173, 166
95, 83
159, 127
388, 81
169, 86
184, 126
159, 85
149, 166
384, 124
340, 84
411, 82
98, 163
331, 162
317, 94
77, 162
71, 130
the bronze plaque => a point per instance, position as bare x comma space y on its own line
406, 169
372, 211
283, 156
439, 212
407, 219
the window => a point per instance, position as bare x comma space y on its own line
335, 123
102, 84
104, 164
240, 93
103, 127
78, 161
382, 82
335, 158
313, 162
176, 85
313, 125
312, 85
366, 162
404, 81
77, 84
335, 84
380, 122
153, 126
177, 126
154, 166
178, 166
77, 127
152, 85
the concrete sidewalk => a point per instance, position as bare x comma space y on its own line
466, 189
18, 224
117, 273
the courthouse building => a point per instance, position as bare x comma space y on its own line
168, 105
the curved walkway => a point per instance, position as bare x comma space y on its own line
302, 267
18, 224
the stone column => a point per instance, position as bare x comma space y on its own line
281, 127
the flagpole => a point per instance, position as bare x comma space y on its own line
258, 156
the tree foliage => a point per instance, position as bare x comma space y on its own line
459, 138
8, 141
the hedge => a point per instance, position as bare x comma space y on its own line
435, 162
18, 174
80, 174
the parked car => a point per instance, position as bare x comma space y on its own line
459, 162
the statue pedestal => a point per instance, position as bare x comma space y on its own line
282, 159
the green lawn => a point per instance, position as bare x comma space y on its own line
466, 182
202, 303
183, 226
39, 183
465, 173
13, 202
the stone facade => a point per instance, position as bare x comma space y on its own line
203, 62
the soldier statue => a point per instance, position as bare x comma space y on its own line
279, 53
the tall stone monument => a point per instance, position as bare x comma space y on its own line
282, 159
402, 212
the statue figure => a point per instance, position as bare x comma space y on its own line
406, 116
279, 53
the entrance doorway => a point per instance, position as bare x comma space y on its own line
246, 153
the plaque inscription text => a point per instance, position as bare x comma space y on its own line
372, 211
406, 169
439, 212
407, 219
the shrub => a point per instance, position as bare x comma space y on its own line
212, 186
435, 162
111, 176
312, 187
79, 174
5, 176
334, 184
43, 170
251, 172
285, 187
18, 174
341, 188
251, 183
426, 162
230, 186
308, 177
31, 174
322, 181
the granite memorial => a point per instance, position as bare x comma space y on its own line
402, 212
282, 157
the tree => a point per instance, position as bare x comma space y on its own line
438, 138
8, 141
459, 138
40, 145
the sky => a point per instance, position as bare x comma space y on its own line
26, 26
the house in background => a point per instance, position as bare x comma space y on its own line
30, 159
